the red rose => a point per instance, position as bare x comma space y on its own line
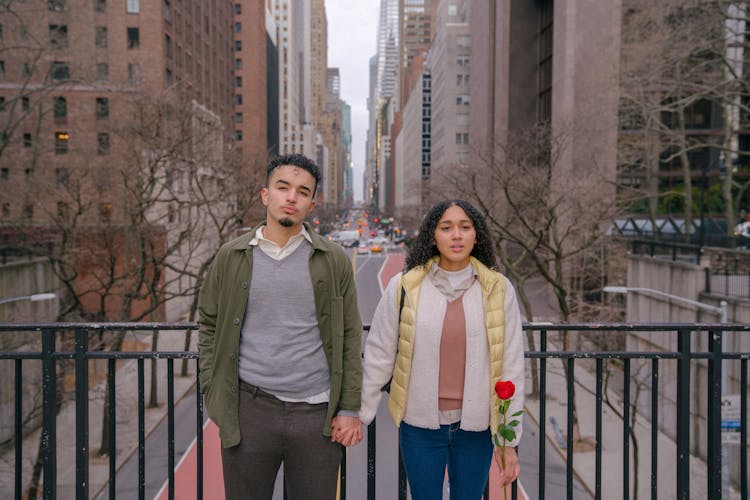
505, 390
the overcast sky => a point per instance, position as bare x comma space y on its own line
352, 40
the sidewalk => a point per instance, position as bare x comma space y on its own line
126, 418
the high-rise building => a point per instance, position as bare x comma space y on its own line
415, 36
448, 61
111, 109
256, 80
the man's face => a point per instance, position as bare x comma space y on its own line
289, 195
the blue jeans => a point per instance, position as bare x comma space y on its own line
427, 452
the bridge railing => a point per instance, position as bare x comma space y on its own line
697, 350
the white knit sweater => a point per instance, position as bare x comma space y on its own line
422, 399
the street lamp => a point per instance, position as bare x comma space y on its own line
33, 298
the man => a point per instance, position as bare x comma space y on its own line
280, 346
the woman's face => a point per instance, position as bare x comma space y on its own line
455, 238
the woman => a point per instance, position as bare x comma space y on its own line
445, 340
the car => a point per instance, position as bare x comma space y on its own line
376, 246
363, 248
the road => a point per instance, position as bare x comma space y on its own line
371, 273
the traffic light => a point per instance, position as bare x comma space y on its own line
375, 220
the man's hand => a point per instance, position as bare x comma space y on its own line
346, 430
510, 472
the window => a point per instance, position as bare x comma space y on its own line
100, 5
167, 11
462, 138
105, 212
462, 100
238, 64
238, 135
27, 140
462, 60
238, 99
4, 173
2, 32
168, 77
102, 107
56, 5
25, 103
2, 103
102, 72
2, 69
60, 109
134, 38
238, 8
60, 71
238, 81
61, 142
463, 41
452, 10
6, 210
62, 177
238, 45
134, 72
58, 36
102, 139
167, 46
63, 210
238, 118
28, 211
238, 27
25, 69
100, 36
133, 6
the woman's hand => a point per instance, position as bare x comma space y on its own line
510, 472
346, 430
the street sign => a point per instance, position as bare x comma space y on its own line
730, 419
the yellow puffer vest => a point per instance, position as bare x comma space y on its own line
493, 298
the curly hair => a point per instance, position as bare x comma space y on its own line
424, 247
294, 160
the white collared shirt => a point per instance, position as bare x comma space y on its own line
273, 250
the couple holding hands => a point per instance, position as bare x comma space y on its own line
281, 367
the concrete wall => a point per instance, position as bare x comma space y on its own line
688, 281
16, 280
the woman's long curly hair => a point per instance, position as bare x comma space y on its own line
424, 247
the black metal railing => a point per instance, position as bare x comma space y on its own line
728, 282
551, 339
667, 250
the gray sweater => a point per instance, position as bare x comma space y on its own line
280, 347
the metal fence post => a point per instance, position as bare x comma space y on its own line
82, 414
49, 411
714, 414
683, 416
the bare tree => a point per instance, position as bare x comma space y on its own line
684, 100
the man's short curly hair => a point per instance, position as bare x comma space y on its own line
424, 247
294, 160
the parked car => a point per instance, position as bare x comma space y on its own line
363, 248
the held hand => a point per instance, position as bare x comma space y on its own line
346, 430
510, 472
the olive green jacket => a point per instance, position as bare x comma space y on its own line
221, 307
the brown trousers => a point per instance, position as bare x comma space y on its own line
275, 432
